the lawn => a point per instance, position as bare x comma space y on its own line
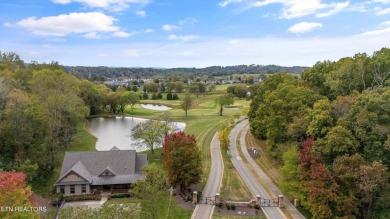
166, 208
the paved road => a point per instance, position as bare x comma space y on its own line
250, 180
266, 180
213, 184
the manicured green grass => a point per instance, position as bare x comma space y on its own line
166, 208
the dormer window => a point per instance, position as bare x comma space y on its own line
106, 172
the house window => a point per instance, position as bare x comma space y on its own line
84, 188
107, 173
72, 189
62, 189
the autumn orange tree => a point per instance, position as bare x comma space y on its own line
15, 193
182, 161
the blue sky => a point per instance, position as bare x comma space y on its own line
192, 33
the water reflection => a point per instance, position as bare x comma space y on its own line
115, 131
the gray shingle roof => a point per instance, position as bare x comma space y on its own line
125, 164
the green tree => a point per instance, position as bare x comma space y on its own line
133, 99
224, 100
338, 141
182, 160
321, 120
152, 189
187, 102
145, 96
150, 132
91, 96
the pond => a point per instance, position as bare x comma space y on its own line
155, 107
116, 131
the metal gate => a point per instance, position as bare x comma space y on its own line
207, 200
269, 202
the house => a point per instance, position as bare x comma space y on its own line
104, 171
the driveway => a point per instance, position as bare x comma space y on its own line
250, 180
203, 211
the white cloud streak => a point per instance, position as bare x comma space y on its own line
337, 7
383, 11
228, 2
183, 38
169, 27
304, 27
141, 13
112, 5
121, 34
66, 24
296, 8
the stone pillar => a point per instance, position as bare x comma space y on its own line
281, 204
195, 197
258, 199
217, 198
296, 202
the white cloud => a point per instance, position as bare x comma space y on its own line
132, 53
383, 11
382, 1
149, 30
182, 38
66, 24
122, 34
296, 8
141, 13
385, 24
189, 20
169, 27
304, 27
113, 5
7, 24
91, 35
337, 7
381, 31
228, 2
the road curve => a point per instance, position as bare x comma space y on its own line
266, 180
247, 176
214, 180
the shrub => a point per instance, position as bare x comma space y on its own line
219, 205
81, 198
145, 96
257, 207
169, 96
154, 96
120, 195
175, 96
159, 95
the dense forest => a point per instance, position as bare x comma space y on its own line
330, 129
103, 73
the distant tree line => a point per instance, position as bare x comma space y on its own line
101, 73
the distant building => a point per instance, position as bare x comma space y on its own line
89, 171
